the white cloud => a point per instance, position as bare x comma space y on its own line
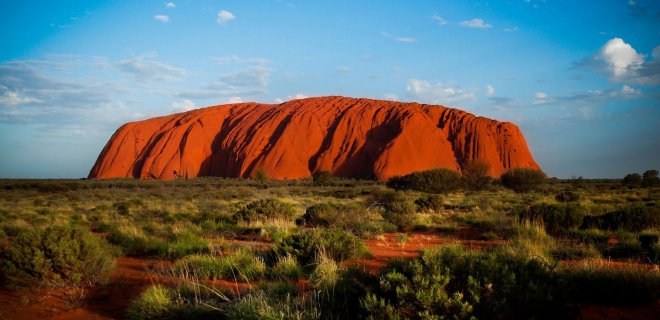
170, 5
621, 58
397, 38
146, 69
182, 106
541, 98
391, 96
225, 16
423, 91
441, 21
475, 23
344, 70
252, 76
237, 59
490, 90
293, 97
162, 18
235, 100
627, 90
10, 98
622, 63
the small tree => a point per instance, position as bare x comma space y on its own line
322, 178
650, 178
523, 179
632, 180
260, 176
475, 174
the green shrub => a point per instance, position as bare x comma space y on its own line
264, 209
353, 218
557, 218
632, 180
457, 284
649, 238
322, 178
430, 202
567, 196
337, 244
430, 181
58, 256
631, 218
475, 175
398, 209
650, 178
589, 283
523, 180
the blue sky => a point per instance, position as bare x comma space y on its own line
581, 78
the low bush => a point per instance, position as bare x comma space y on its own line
457, 284
557, 218
397, 208
322, 178
337, 244
523, 180
57, 256
350, 217
430, 181
589, 283
265, 209
430, 202
567, 196
631, 218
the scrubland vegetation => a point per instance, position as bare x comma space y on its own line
522, 247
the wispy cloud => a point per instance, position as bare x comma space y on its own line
490, 90
183, 105
397, 38
145, 68
344, 70
475, 23
439, 20
225, 16
241, 60
170, 5
438, 93
162, 18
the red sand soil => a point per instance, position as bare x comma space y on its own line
349, 137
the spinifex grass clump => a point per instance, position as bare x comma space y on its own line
242, 265
58, 256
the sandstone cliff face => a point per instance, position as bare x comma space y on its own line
358, 138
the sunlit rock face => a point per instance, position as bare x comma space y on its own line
356, 138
